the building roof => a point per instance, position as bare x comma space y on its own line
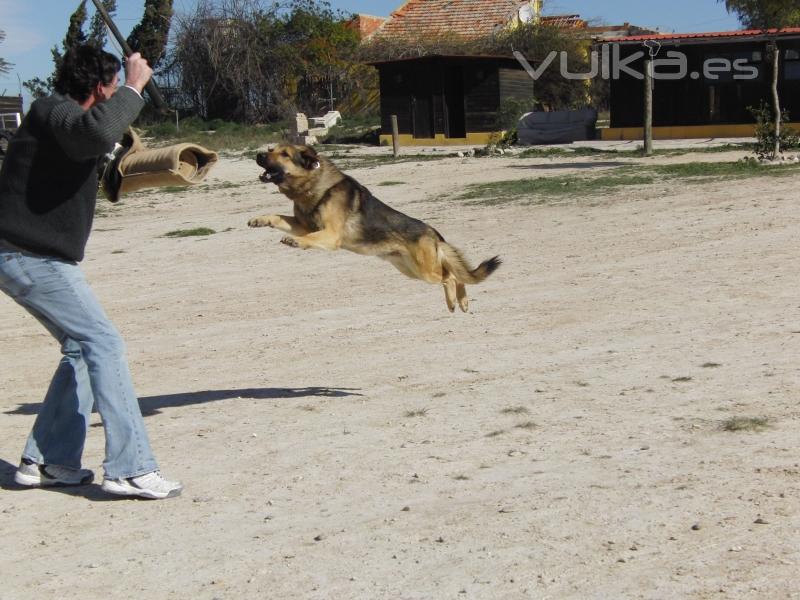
435, 57
605, 32
10, 104
366, 25
745, 34
564, 21
466, 18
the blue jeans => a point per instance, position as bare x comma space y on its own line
94, 368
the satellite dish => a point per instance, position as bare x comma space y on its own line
526, 14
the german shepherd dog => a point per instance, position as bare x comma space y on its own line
332, 211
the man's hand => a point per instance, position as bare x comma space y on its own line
137, 72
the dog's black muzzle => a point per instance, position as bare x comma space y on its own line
272, 173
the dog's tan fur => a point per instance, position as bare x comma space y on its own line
332, 211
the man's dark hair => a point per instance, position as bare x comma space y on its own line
82, 68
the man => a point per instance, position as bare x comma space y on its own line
48, 190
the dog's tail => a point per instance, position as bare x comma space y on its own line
457, 265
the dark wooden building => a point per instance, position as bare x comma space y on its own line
10, 111
449, 99
10, 118
725, 74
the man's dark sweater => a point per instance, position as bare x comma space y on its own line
48, 182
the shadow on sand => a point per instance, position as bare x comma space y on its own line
152, 405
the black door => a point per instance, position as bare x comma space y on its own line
422, 115
454, 103
421, 103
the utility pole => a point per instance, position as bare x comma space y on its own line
395, 137
652, 48
648, 106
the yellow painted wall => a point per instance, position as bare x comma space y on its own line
682, 132
472, 139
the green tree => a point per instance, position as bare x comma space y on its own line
75, 35
151, 34
250, 61
765, 14
97, 29
325, 50
769, 14
5, 66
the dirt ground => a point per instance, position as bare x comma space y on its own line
341, 435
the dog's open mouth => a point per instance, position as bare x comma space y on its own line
275, 177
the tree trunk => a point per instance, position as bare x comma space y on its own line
776, 100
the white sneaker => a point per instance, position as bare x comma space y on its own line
150, 485
35, 475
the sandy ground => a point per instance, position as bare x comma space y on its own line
341, 435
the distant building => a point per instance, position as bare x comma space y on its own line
466, 18
10, 112
601, 33
447, 99
10, 119
709, 100
366, 25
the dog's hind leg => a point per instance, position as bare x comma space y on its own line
427, 263
461, 295
450, 287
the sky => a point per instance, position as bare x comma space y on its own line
33, 27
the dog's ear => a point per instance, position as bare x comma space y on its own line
308, 158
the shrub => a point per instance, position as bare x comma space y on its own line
765, 131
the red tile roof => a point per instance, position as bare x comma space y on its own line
665, 37
565, 21
366, 25
466, 18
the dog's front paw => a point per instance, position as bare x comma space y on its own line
261, 222
290, 241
